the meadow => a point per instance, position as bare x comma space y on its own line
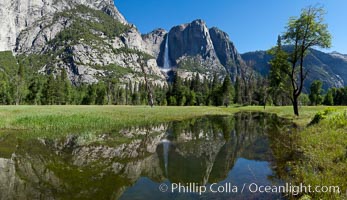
322, 144
63, 119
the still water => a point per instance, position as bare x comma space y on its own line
224, 155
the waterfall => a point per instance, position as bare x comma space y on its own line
166, 146
167, 63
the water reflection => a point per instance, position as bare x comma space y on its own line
132, 163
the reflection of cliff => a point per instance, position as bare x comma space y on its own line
205, 150
201, 150
71, 169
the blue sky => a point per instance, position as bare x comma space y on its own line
251, 24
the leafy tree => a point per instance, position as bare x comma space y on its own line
261, 93
302, 33
329, 98
316, 93
304, 100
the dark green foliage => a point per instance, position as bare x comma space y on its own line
316, 93
48, 94
100, 94
90, 97
329, 98
336, 96
215, 95
5, 90
8, 63
35, 90
227, 91
278, 76
238, 91
64, 88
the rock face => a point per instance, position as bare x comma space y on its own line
195, 48
89, 39
191, 48
154, 42
17, 15
191, 40
226, 52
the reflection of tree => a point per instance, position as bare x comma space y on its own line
283, 142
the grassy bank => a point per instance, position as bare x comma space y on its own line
323, 145
59, 119
65, 119
324, 161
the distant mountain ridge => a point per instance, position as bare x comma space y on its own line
330, 68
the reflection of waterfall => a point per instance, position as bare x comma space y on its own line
167, 63
166, 146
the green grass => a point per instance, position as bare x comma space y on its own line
60, 119
323, 145
324, 148
55, 121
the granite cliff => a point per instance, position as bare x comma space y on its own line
92, 41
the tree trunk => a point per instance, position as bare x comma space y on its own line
295, 105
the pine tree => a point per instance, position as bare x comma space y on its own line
65, 87
48, 92
90, 97
20, 85
238, 91
5, 95
177, 91
227, 91
35, 91
100, 98
278, 77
